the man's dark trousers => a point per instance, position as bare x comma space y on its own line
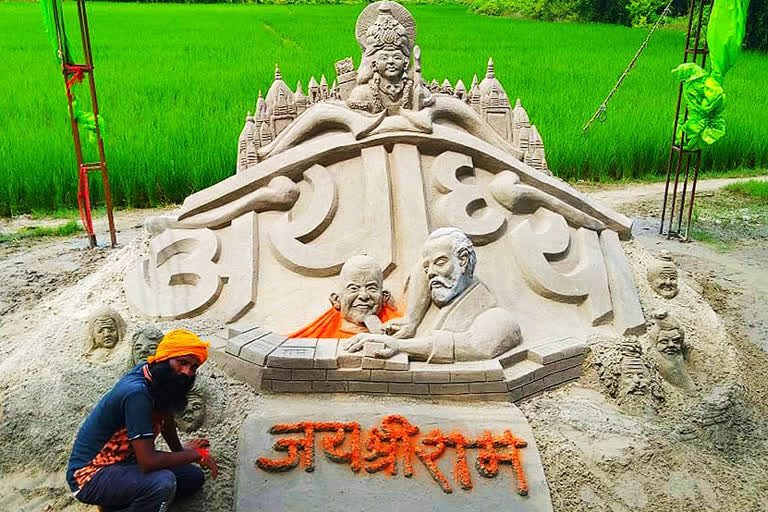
125, 487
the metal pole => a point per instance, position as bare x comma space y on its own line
693, 196
95, 104
679, 147
685, 188
85, 212
674, 193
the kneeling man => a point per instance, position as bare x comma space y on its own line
114, 463
454, 314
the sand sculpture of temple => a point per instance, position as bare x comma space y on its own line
488, 98
445, 190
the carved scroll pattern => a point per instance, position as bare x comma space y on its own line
463, 205
587, 282
292, 236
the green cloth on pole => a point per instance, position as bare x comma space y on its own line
706, 102
50, 27
85, 120
703, 92
725, 34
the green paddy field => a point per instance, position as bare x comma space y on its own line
175, 83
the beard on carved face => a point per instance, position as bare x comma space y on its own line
443, 289
169, 389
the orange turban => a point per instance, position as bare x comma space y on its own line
180, 342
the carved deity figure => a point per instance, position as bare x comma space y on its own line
359, 303
144, 343
452, 316
386, 32
662, 274
106, 328
193, 415
670, 351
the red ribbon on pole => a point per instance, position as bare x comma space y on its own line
76, 73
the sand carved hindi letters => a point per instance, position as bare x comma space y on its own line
393, 444
464, 206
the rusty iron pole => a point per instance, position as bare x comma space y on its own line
677, 149
72, 74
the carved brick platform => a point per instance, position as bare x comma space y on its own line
274, 363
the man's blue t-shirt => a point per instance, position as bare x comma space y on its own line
128, 405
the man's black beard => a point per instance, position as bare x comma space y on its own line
169, 389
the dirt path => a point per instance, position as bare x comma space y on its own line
616, 195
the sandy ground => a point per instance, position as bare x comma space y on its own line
598, 455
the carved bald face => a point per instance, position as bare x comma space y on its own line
662, 276
105, 332
447, 267
390, 64
361, 292
193, 415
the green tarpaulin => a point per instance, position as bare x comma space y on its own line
49, 20
703, 92
725, 34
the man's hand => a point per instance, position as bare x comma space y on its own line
198, 443
358, 341
400, 328
206, 460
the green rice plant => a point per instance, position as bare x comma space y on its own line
175, 82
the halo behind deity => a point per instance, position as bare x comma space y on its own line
371, 13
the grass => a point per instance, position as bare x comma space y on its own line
70, 228
753, 189
175, 82
735, 215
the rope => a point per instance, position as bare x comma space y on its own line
600, 112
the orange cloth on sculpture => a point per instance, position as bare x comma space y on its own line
180, 342
328, 325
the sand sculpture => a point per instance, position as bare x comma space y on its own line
670, 351
106, 328
371, 165
463, 324
662, 274
144, 343
627, 374
194, 414
360, 303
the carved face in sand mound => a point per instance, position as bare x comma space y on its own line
662, 275
361, 292
634, 377
193, 415
105, 329
145, 342
668, 339
449, 262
